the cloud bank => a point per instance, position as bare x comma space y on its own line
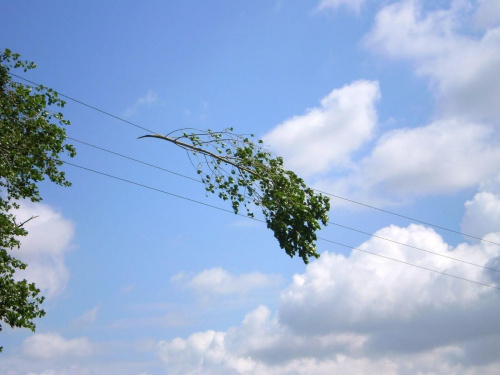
362, 313
482, 212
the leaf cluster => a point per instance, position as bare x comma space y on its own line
239, 169
31, 140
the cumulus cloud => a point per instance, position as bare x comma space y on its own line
362, 294
461, 147
50, 346
365, 314
217, 281
464, 70
360, 313
211, 353
44, 248
325, 136
442, 157
482, 212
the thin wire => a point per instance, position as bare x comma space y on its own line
410, 264
330, 222
88, 105
403, 216
135, 160
319, 191
411, 246
229, 211
148, 187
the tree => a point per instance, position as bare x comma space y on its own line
244, 172
30, 144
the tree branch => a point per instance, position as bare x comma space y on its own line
200, 150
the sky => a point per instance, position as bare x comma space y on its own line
393, 104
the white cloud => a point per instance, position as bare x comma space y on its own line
482, 213
325, 136
213, 352
442, 157
457, 150
365, 314
89, 316
362, 313
488, 13
461, 147
464, 70
362, 293
44, 248
354, 5
217, 281
147, 100
51, 346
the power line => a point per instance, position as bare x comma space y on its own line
87, 105
149, 187
135, 160
410, 264
330, 222
319, 191
229, 211
403, 216
411, 246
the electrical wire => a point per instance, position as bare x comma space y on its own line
86, 105
319, 191
403, 216
134, 160
411, 246
410, 264
330, 222
229, 211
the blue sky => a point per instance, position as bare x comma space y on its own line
389, 103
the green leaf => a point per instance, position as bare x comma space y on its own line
30, 145
291, 210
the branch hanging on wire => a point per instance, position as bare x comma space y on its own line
293, 211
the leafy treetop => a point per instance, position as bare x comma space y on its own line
31, 141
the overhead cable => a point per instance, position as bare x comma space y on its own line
87, 105
229, 211
330, 222
319, 191
403, 216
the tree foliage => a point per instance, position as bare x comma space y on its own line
243, 172
31, 141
